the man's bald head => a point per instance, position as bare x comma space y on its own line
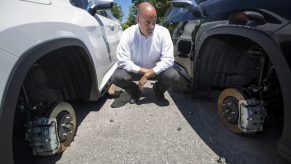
145, 8
146, 18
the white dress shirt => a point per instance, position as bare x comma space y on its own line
154, 52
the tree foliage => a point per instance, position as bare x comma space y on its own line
124, 26
160, 5
117, 12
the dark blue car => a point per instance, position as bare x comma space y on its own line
243, 49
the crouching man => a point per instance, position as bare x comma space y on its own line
145, 52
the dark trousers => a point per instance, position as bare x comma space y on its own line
124, 80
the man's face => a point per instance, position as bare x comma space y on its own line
147, 24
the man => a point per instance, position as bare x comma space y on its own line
145, 52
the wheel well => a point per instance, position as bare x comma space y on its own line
226, 61
25, 64
62, 74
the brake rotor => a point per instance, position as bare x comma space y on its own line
66, 123
228, 109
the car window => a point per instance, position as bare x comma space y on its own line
200, 1
80, 3
84, 4
106, 13
103, 13
179, 14
176, 14
174, 11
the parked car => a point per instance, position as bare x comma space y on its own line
51, 52
242, 48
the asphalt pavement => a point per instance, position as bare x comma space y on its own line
186, 131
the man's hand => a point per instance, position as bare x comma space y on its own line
143, 70
148, 74
142, 82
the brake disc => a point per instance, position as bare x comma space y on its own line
228, 109
66, 123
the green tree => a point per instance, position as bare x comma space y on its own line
124, 26
117, 12
160, 5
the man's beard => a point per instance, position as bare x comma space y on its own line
150, 33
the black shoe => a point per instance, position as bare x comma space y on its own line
132, 101
161, 100
121, 100
159, 95
135, 98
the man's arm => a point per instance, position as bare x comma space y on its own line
167, 53
123, 54
147, 73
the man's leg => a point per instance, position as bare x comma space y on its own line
166, 79
124, 80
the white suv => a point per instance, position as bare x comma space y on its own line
51, 52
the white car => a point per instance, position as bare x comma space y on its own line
51, 52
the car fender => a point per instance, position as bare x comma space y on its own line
34, 30
16, 78
278, 59
25, 31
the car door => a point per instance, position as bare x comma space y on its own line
111, 32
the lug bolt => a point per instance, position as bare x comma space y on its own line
68, 126
22, 107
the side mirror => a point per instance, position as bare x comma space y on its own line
190, 5
255, 16
94, 5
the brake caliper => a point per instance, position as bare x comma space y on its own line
42, 136
251, 115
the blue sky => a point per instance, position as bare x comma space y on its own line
125, 4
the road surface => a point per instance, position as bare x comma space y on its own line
186, 131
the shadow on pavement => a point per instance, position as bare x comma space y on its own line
23, 152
